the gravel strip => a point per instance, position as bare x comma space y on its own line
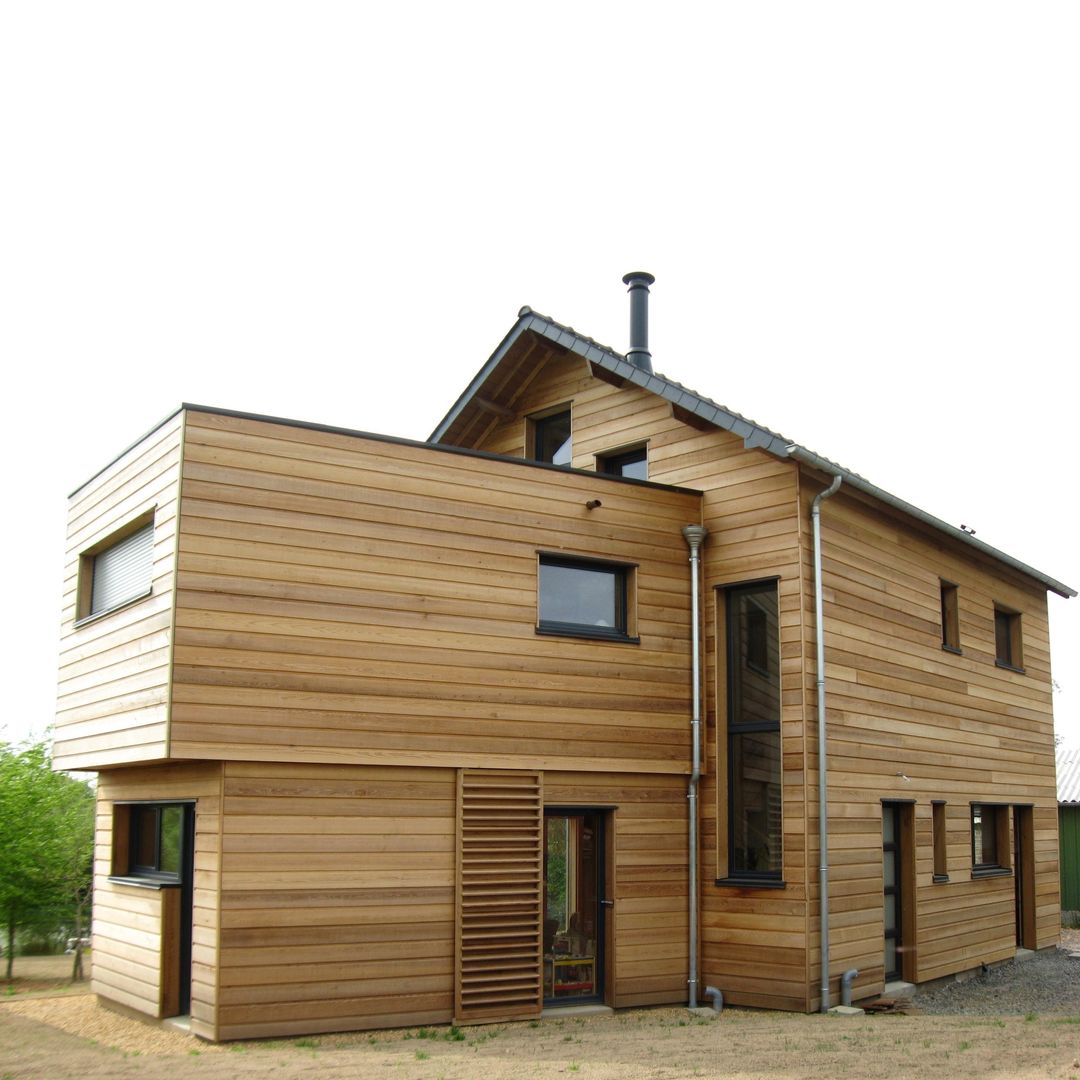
1047, 983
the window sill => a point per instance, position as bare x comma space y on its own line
991, 871
940, 879
952, 649
1009, 667
587, 633
750, 883
86, 619
143, 882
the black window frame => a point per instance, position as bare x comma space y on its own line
623, 577
950, 616
614, 464
153, 812
1008, 638
540, 427
760, 665
993, 822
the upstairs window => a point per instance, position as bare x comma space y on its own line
118, 570
633, 464
950, 617
1007, 641
583, 598
551, 440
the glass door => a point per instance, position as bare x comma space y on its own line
573, 906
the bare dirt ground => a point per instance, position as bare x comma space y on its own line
61, 1036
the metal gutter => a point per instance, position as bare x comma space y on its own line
830, 468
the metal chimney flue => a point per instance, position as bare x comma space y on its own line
638, 354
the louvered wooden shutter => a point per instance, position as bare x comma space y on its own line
123, 571
500, 880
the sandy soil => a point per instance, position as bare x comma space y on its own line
74, 1036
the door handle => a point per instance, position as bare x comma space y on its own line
608, 903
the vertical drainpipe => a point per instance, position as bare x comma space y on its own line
823, 802
694, 535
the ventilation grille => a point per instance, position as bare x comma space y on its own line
499, 895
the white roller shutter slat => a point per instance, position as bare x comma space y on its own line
123, 571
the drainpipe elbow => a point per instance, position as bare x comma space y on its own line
716, 997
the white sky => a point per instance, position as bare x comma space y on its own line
864, 220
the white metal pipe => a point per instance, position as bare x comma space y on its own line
823, 801
695, 537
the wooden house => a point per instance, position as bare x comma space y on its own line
395, 733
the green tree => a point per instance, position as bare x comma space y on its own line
46, 845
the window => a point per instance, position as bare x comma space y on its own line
753, 740
633, 464
117, 571
583, 598
941, 865
1007, 643
950, 617
989, 837
551, 440
149, 840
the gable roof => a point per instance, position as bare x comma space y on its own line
1068, 775
692, 405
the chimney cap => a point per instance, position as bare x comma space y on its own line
638, 277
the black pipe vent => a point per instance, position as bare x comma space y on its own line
638, 354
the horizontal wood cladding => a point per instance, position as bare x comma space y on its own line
342, 598
337, 898
909, 720
132, 949
112, 706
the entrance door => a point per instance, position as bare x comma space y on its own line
574, 906
1024, 875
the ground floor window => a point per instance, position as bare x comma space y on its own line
149, 840
989, 837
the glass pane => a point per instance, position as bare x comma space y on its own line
553, 442
754, 654
172, 835
890, 870
144, 826
556, 913
890, 911
890, 956
888, 825
636, 470
579, 595
755, 801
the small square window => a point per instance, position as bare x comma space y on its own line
950, 617
1007, 640
633, 464
551, 440
149, 840
583, 598
989, 837
118, 570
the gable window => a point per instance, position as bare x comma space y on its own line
551, 441
633, 464
584, 598
1007, 640
118, 570
753, 737
950, 617
989, 837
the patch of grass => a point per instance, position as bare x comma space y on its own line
455, 1034
306, 1044
1031, 1016
422, 1055
1066, 1020
534, 1023
573, 1066
964, 1046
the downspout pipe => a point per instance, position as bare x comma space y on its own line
694, 535
823, 795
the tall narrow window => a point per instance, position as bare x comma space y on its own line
941, 865
1007, 641
950, 617
551, 438
753, 676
